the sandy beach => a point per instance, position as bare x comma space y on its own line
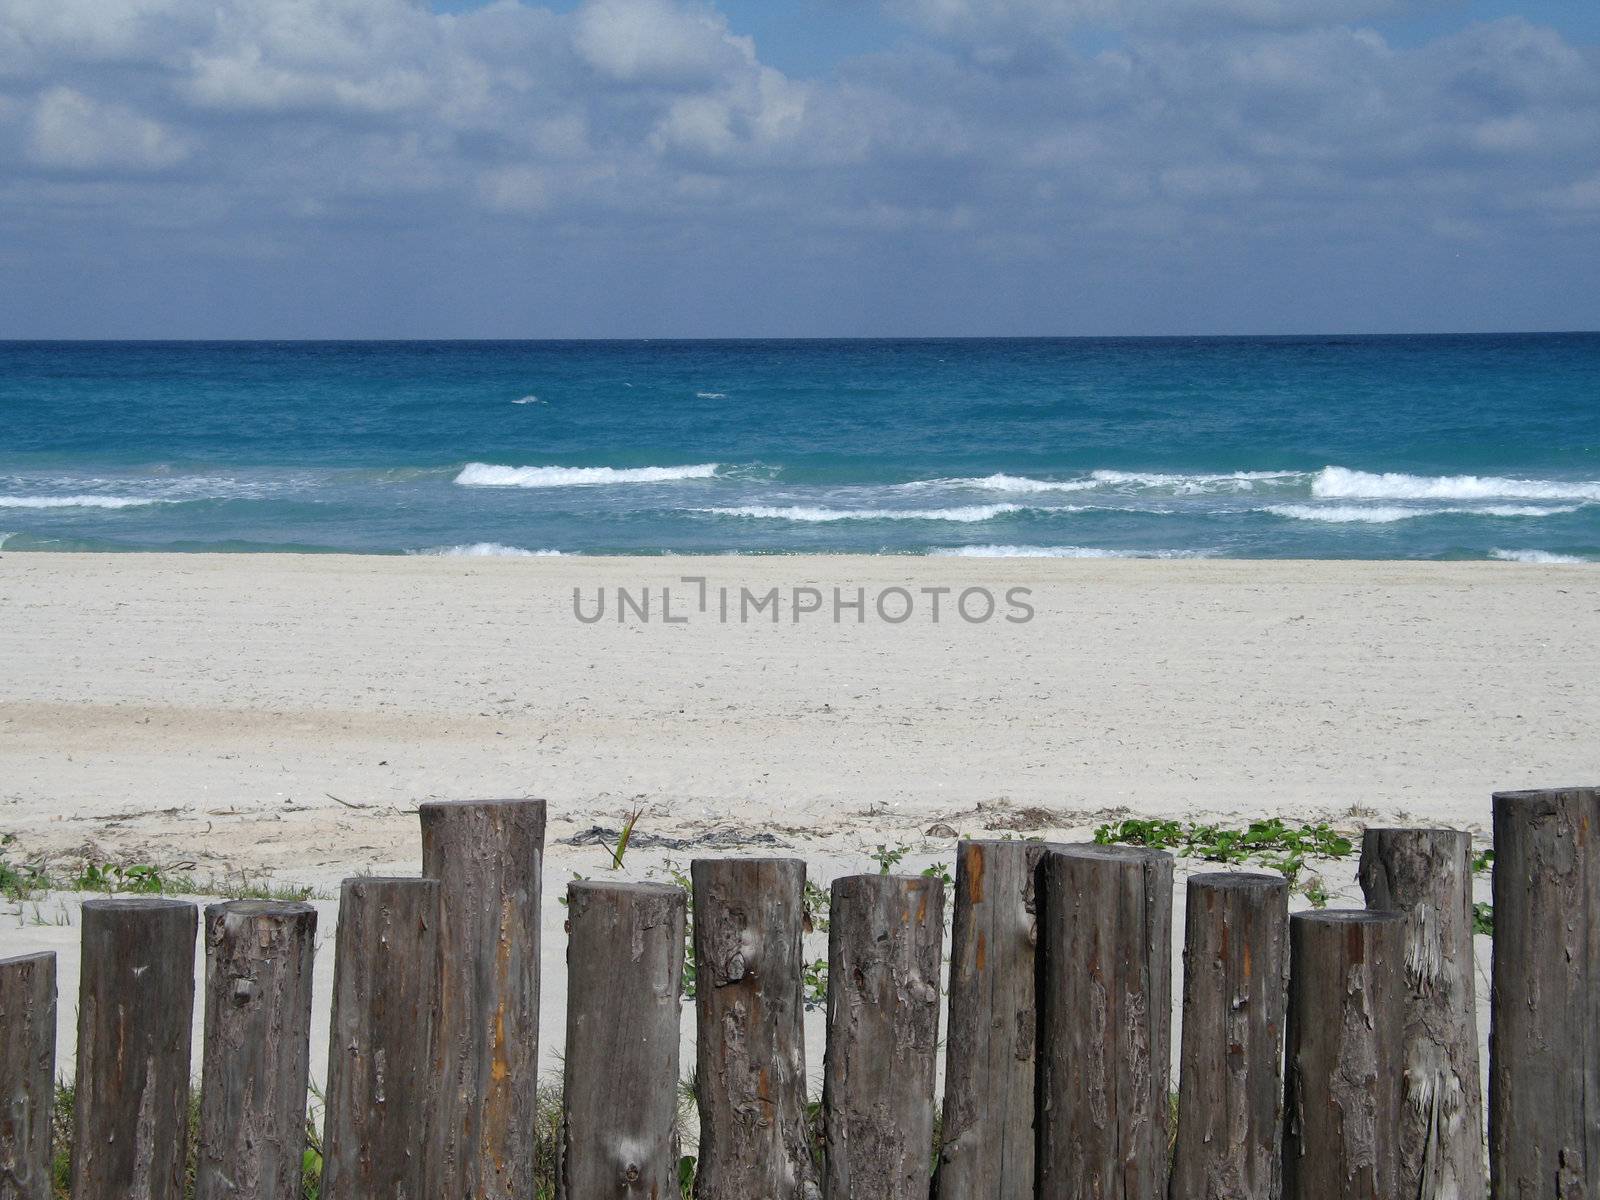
283, 715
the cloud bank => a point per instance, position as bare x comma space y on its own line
369, 167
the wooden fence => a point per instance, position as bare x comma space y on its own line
1324, 1055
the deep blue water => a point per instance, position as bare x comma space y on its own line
1380, 447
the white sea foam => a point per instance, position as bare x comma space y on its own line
799, 512
1340, 483
1383, 514
1232, 481
711, 395
1180, 484
78, 501
488, 550
1537, 556
4, 538
491, 475
1060, 552
530, 398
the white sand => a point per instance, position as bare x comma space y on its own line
207, 709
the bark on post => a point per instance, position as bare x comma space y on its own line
1427, 874
257, 1050
1544, 1044
1105, 1023
488, 858
885, 937
380, 1078
986, 1149
750, 1068
1345, 1055
1230, 1078
624, 979
27, 1074
135, 1005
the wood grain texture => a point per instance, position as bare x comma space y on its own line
885, 942
27, 1074
1345, 1057
1230, 1079
750, 1066
488, 857
986, 1147
1427, 875
1544, 1043
256, 1055
135, 1004
1105, 1023
624, 982
380, 1053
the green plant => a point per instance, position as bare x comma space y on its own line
19, 881
1482, 862
620, 850
815, 901
138, 879
1483, 918
1272, 843
815, 976
888, 857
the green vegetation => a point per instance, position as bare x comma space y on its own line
1483, 918
27, 880
1274, 844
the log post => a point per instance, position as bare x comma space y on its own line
257, 1050
380, 1079
885, 937
1230, 1079
27, 1074
1427, 875
986, 1147
1345, 1055
1544, 1044
624, 979
1105, 1023
488, 858
135, 1006
750, 1060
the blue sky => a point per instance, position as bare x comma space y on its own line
391, 168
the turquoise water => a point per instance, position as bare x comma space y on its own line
1332, 447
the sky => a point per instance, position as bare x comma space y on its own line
684, 168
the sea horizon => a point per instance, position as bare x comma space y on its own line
1383, 446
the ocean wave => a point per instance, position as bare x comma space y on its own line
486, 550
1059, 552
711, 395
1341, 483
1384, 514
1544, 557
530, 398
801, 512
491, 475
1178, 484
79, 501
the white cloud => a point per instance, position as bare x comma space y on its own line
652, 123
70, 131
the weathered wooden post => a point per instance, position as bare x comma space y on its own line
1427, 875
1544, 1052
257, 1050
624, 979
750, 1060
1105, 1023
885, 938
986, 1151
488, 858
1230, 1079
380, 1051
135, 1005
1345, 1058
27, 1074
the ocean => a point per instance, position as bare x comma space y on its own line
1443, 447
